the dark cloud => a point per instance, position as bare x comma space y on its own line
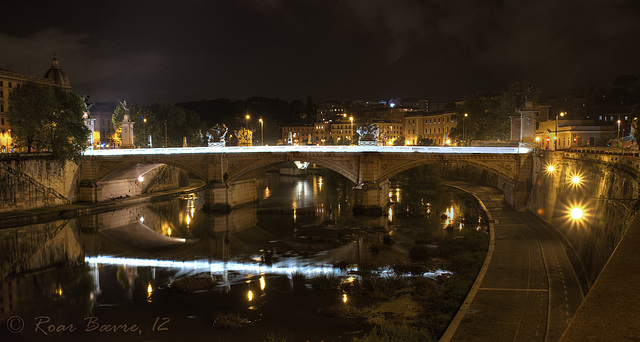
145, 51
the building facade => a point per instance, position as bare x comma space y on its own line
434, 125
10, 80
564, 134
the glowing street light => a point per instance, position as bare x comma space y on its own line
555, 139
618, 128
576, 213
261, 132
464, 129
247, 117
351, 133
551, 168
575, 180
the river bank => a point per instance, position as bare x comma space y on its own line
67, 211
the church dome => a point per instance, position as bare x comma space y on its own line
57, 75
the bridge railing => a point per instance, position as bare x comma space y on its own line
317, 149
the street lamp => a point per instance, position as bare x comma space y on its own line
261, 132
247, 117
555, 138
351, 131
618, 128
464, 130
576, 213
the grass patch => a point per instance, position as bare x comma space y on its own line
419, 253
229, 320
325, 282
394, 334
275, 338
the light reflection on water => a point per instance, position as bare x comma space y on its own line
136, 253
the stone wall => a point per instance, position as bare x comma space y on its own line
40, 246
35, 181
606, 193
169, 177
157, 177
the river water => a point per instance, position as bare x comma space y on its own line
167, 270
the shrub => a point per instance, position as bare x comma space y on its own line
419, 253
325, 282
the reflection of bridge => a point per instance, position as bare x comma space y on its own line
230, 172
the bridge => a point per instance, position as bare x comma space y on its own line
230, 172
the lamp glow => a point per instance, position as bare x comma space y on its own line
551, 168
576, 213
575, 180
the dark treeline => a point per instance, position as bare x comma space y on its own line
274, 112
225, 110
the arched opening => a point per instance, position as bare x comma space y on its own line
141, 179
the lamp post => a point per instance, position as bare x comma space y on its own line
464, 130
247, 117
261, 132
555, 138
166, 141
351, 131
618, 128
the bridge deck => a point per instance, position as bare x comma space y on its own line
312, 149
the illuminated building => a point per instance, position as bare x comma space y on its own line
435, 125
10, 80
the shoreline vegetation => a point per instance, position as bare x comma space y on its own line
406, 305
421, 292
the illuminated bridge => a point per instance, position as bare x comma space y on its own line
230, 172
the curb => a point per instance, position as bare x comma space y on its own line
464, 308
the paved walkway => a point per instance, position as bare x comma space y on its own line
611, 310
527, 290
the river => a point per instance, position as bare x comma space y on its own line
167, 270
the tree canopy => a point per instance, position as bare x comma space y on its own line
488, 116
47, 118
158, 119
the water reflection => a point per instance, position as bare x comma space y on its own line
129, 261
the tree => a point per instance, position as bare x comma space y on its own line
140, 116
166, 123
426, 142
488, 116
47, 118
635, 114
69, 135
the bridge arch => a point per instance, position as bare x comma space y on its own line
250, 170
106, 169
390, 172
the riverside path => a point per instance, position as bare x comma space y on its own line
527, 289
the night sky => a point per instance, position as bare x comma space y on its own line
151, 51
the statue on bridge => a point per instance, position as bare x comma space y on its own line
245, 137
126, 127
368, 135
216, 135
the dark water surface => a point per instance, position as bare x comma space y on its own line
168, 271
